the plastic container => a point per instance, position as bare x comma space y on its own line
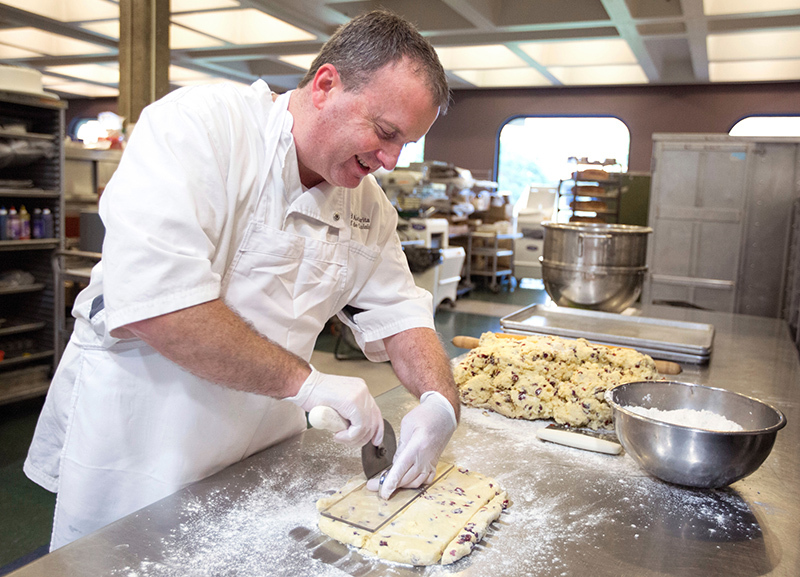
3, 222
47, 222
24, 223
12, 225
37, 224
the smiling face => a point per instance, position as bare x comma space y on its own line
354, 133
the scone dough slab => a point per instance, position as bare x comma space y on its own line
441, 526
548, 377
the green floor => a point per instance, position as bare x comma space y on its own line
26, 509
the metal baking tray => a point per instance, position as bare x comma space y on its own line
645, 334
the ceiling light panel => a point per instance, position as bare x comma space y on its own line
83, 89
196, 5
68, 10
95, 72
248, 26
718, 7
180, 38
478, 57
754, 71
761, 45
303, 61
49, 43
108, 28
580, 52
503, 78
11, 52
598, 75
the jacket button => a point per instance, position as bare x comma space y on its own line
336, 216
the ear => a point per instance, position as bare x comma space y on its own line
326, 81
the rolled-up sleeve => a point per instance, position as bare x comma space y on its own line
389, 302
163, 211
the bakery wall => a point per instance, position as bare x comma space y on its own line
467, 134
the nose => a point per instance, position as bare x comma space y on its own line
388, 155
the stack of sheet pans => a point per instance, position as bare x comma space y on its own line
678, 341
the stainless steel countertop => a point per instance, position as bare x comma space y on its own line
573, 512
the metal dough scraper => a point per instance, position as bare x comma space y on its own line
374, 459
365, 510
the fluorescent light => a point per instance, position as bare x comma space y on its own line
717, 7
762, 45
195, 5
248, 26
83, 89
106, 74
180, 38
754, 70
9, 52
210, 80
189, 77
303, 61
580, 52
478, 57
597, 75
108, 28
49, 43
68, 10
505, 77
178, 74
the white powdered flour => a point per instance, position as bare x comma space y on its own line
570, 510
693, 418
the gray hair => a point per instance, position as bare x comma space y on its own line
373, 40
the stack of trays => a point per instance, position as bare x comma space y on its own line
679, 341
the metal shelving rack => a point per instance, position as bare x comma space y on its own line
592, 194
27, 331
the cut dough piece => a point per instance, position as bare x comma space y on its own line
441, 526
547, 377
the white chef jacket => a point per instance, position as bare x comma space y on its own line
207, 203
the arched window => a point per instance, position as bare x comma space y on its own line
535, 150
767, 126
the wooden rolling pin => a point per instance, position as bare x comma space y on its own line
663, 367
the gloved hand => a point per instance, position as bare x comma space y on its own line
424, 433
348, 396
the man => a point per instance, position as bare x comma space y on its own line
237, 223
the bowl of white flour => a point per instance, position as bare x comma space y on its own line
691, 434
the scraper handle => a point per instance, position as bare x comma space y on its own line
321, 417
579, 441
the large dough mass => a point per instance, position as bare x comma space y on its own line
547, 377
441, 526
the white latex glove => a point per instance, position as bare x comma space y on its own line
424, 433
348, 396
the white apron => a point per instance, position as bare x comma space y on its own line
139, 427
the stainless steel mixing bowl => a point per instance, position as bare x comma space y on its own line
603, 288
690, 456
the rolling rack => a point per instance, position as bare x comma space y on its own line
31, 174
592, 194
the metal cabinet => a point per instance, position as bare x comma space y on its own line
720, 209
33, 179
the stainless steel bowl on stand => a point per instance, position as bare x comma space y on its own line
594, 265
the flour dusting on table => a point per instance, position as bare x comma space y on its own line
255, 533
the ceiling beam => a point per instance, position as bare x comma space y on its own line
623, 21
696, 31
480, 13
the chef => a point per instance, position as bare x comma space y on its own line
237, 224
